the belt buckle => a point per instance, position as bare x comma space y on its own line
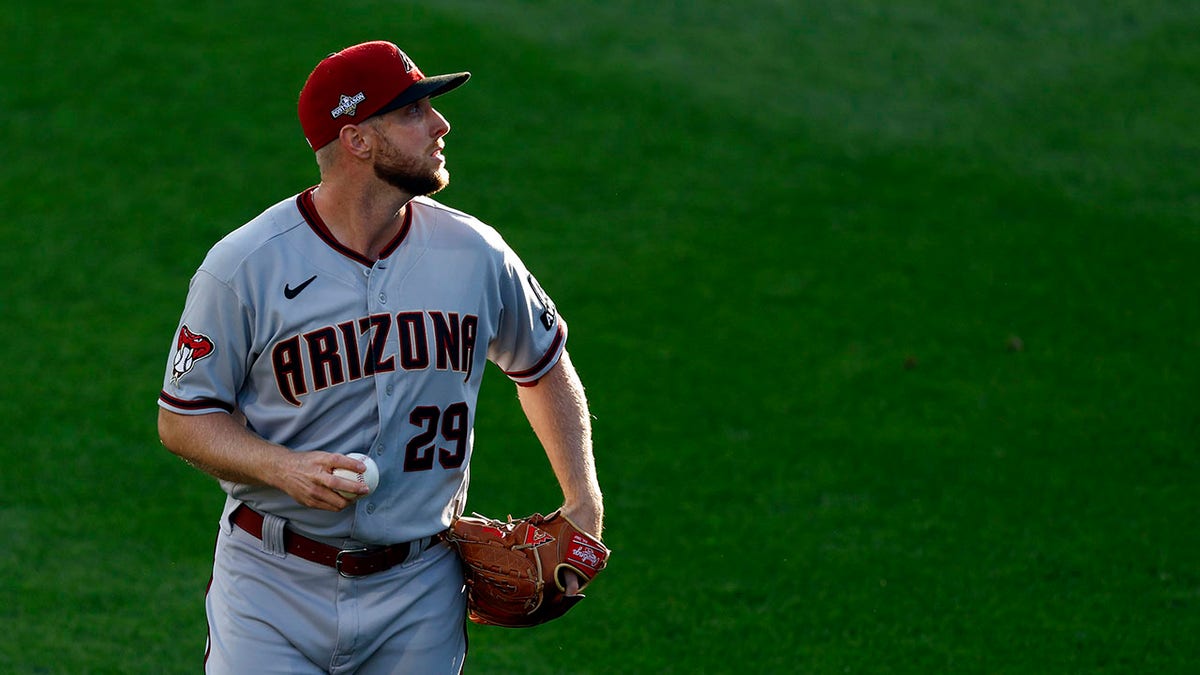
337, 561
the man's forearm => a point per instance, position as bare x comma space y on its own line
557, 409
223, 447
219, 445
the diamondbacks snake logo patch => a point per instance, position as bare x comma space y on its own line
189, 348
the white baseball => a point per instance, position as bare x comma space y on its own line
370, 477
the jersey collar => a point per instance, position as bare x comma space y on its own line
308, 209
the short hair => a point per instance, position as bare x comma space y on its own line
326, 157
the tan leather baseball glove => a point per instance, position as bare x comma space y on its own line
514, 569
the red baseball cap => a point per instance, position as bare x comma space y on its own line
359, 82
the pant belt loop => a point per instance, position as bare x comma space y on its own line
416, 548
272, 535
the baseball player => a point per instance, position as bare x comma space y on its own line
357, 317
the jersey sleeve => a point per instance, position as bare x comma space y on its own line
207, 361
531, 335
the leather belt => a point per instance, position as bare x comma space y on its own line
354, 562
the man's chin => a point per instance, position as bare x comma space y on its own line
442, 176
432, 188
427, 184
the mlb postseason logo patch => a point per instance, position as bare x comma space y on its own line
585, 554
348, 105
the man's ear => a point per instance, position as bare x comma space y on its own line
355, 142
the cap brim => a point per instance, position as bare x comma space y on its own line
427, 87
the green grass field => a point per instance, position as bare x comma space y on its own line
887, 312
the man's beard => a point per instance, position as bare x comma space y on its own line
408, 174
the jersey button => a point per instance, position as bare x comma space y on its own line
370, 508
383, 298
379, 449
389, 390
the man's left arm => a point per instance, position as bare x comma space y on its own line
558, 412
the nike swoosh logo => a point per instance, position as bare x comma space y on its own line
289, 292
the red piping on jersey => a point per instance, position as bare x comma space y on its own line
308, 209
550, 354
198, 404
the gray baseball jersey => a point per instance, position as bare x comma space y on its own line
321, 349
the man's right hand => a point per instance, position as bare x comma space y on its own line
308, 478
